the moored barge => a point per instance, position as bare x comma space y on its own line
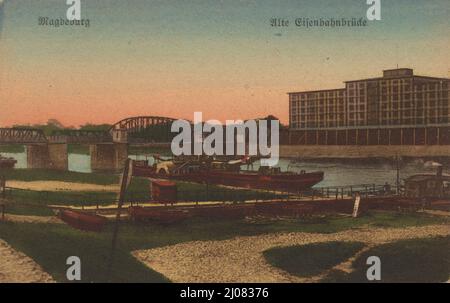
229, 173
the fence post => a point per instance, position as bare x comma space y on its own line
3, 185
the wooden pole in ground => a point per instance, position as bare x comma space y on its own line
3, 186
2, 205
124, 182
3, 189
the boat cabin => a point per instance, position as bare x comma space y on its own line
427, 186
163, 191
267, 170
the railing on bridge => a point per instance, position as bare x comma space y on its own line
79, 136
22, 136
144, 129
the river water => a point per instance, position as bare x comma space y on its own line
336, 173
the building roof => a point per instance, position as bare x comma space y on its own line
317, 91
400, 77
387, 74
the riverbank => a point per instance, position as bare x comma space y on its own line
16, 267
242, 259
50, 244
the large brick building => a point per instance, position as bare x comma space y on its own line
398, 101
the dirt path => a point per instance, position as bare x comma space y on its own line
32, 219
16, 267
61, 186
240, 259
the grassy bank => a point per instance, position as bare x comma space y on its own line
28, 202
56, 175
62, 241
12, 149
406, 261
313, 259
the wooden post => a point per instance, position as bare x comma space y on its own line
3, 186
3, 189
124, 182
356, 205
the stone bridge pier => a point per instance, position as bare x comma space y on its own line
108, 156
50, 156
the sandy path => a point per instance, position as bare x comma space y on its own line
32, 219
61, 186
240, 259
15, 267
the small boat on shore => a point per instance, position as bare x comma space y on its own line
229, 172
7, 162
82, 220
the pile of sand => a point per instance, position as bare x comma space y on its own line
241, 260
16, 267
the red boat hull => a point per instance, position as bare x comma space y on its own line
281, 182
82, 221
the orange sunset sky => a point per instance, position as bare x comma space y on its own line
171, 58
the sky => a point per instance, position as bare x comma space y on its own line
173, 57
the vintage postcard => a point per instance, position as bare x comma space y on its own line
224, 141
